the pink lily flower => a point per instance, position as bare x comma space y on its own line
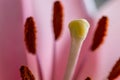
45, 53
13, 49
91, 64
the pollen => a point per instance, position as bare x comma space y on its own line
57, 19
115, 71
30, 35
26, 74
88, 78
100, 33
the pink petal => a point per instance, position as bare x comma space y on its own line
42, 11
11, 42
110, 51
103, 59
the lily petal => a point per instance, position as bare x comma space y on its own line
105, 57
42, 11
110, 51
11, 42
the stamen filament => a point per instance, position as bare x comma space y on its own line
57, 27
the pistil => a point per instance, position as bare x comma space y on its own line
78, 30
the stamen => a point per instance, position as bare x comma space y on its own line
78, 31
57, 19
115, 71
26, 74
88, 78
100, 33
30, 35
57, 26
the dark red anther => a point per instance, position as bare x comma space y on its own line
115, 71
26, 74
88, 78
100, 33
30, 35
57, 19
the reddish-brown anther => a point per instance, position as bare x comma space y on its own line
26, 74
30, 35
88, 78
57, 19
100, 33
115, 71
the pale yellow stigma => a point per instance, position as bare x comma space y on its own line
79, 28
